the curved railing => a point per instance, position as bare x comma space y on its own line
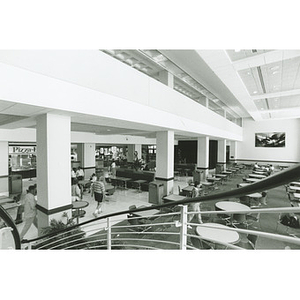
10, 223
100, 232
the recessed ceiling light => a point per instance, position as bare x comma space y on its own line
275, 72
254, 92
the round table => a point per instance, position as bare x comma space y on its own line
255, 195
243, 184
78, 205
218, 233
233, 206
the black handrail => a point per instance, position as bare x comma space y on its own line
9, 221
284, 177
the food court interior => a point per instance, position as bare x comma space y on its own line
162, 119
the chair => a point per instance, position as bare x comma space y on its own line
283, 219
137, 221
253, 218
199, 243
245, 200
252, 240
180, 192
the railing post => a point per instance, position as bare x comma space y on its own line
108, 234
183, 228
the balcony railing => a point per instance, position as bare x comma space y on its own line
163, 226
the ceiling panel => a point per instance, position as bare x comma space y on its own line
235, 55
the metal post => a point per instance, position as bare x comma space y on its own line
183, 228
108, 234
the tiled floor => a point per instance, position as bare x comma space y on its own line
122, 199
119, 201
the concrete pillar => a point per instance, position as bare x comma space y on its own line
233, 151
53, 168
132, 149
165, 160
4, 187
222, 153
86, 156
203, 156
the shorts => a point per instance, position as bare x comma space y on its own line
98, 197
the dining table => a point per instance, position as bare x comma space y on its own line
188, 190
78, 207
252, 180
255, 195
297, 195
243, 184
233, 206
257, 176
294, 188
214, 232
172, 198
121, 180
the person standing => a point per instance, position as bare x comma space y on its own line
30, 211
195, 206
98, 191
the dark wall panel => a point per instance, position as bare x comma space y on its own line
187, 151
213, 154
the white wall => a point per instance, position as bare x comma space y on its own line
289, 153
102, 86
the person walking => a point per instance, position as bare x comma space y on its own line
195, 206
98, 191
30, 211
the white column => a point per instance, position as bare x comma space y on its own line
222, 153
132, 149
86, 155
233, 151
203, 156
165, 160
4, 187
53, 167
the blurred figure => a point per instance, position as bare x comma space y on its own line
80, 174
30, 211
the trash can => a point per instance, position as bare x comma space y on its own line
156, 192
15, 184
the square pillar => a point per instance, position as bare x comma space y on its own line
203, 156
233, 151
222, 153
4, 176
86, 156
53, 167
165, 160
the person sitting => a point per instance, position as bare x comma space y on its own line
73, 173
80, 173
76, 192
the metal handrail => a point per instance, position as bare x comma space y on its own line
284, 177
10, 223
